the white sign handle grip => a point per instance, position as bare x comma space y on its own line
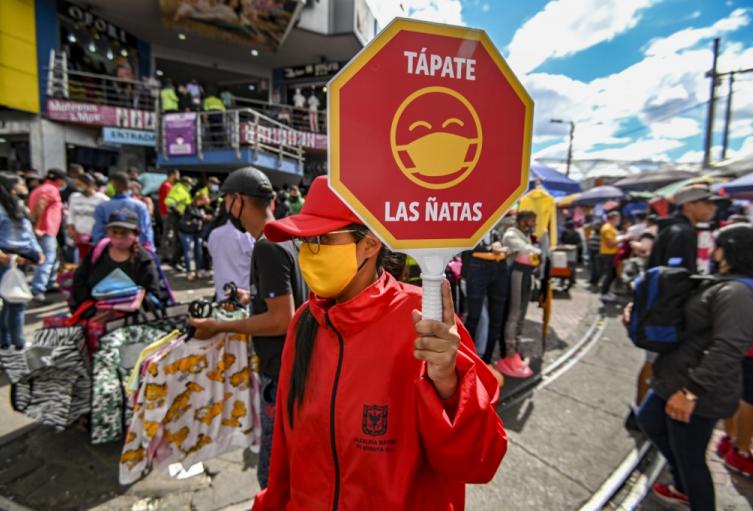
432, 263
431, 303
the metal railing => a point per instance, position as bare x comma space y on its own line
239, 128
300, 119
63, 82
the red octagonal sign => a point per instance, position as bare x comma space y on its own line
429, 135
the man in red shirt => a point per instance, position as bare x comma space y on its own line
164, 189
47, 215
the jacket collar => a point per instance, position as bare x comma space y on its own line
350, 317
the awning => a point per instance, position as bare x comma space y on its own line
652, 180
553, 181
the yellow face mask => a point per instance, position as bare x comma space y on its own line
330, 270
438, 154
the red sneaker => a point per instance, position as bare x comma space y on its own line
668, 493
723, 446
739, 462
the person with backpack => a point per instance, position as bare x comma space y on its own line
279, 288
698, 379
378, 408
121, 249
676, 243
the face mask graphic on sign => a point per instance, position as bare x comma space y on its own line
436, 155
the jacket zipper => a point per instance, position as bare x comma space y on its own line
336, 497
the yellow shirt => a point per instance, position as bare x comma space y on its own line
608, 232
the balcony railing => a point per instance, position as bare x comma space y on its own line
63, 82
239, 128
297, 118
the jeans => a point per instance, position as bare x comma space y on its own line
608, 272
684, 447
44, 275
12, 322
520, 297
486, 279
268, 397
192, 248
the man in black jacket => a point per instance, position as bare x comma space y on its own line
677, 242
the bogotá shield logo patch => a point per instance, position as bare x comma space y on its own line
374, 421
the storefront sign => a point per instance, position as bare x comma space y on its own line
91, 20
180, 134
319, 70
128, 137
90, 114
279, 136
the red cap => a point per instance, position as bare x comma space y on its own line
322, 212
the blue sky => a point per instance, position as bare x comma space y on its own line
629, 73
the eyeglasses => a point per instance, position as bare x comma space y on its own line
315, 242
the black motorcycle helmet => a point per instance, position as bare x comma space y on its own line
737, 242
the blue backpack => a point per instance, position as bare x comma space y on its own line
657, 320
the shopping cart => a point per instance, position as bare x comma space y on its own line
564, 260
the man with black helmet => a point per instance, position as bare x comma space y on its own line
279, 289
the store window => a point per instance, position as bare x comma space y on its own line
94, 45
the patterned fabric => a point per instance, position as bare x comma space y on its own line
110, 408
51, 380
194, 403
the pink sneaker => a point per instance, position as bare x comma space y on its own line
513, 367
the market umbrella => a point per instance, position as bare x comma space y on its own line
597, 195
740, 188
567, 200
652, 180
554, 182
670, 190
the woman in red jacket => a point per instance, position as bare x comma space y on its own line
377, 408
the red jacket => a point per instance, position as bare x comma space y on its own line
164, 191
372, 433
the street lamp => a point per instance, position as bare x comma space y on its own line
570, 147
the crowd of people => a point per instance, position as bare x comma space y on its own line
318, 283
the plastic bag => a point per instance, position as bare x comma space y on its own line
13, 287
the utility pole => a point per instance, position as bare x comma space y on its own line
570, 146
728, 116
710, 112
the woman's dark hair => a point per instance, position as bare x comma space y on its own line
737, 242
306, 330
11, 204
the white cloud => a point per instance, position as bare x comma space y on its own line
485, 7
691, 157
440, 11
565, 27
690, 37
660, 99
676, 127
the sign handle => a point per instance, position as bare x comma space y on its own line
432, 263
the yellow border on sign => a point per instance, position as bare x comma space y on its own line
333, 118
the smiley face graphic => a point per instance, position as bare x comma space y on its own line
436, 137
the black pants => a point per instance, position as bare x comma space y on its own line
684, 447
486, 279
608, 272
594, 265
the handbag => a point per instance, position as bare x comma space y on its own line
117, 283
13, 287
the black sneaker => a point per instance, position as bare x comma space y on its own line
631, 422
